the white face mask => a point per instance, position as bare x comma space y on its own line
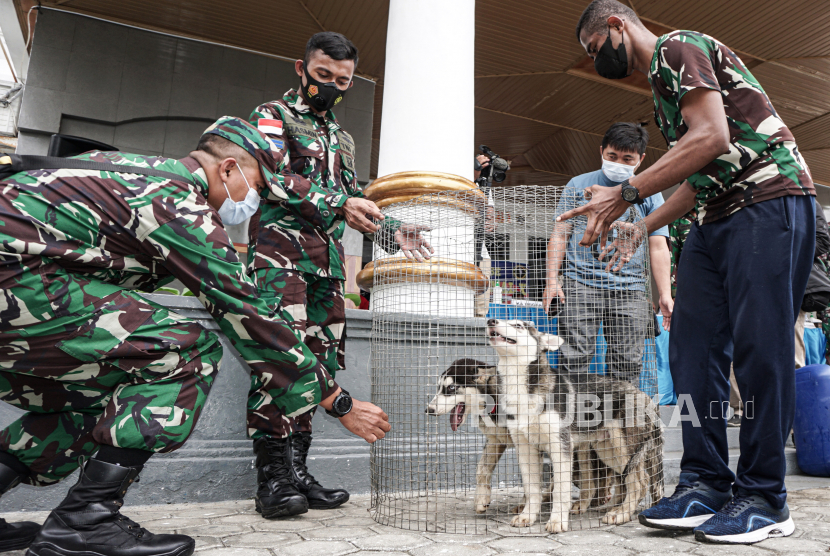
615, 171
236, 212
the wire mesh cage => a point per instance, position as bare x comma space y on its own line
508, 415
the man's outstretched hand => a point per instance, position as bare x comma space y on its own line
412, 243
357, 213
629, 238
367, 421
605, 206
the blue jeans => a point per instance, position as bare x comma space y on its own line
740, 285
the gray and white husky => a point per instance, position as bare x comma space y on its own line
545, 411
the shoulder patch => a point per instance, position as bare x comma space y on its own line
269, 127
278, 144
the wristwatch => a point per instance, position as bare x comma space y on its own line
630, 193
341, 405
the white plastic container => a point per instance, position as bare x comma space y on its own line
497, 298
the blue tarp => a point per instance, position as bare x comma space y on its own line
814, 344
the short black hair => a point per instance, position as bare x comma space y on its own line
626, 136
595, 17
220, 148
333, 45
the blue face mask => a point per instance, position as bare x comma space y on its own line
236, 212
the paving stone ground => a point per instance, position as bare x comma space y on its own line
235, 529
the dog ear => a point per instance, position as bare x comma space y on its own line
550, 342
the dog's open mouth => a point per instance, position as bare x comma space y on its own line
457, 416
496, 337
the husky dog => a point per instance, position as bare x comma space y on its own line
464, 389
540, 404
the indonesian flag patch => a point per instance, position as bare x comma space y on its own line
269, 127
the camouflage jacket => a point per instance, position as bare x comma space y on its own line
118, 230
763, 161
320, 166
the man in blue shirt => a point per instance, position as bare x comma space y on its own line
590, 295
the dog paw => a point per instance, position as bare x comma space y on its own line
580, 506
523, 520
556, 526
482, 502
616, 518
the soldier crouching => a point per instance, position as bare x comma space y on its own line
107, 377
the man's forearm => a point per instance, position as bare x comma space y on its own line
327, 403
556, 251
679, 204
660, 264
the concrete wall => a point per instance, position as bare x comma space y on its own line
151, 93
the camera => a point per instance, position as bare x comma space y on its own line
496, 171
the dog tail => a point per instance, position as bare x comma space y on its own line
654, 452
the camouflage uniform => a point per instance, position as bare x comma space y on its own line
298, 261
90, 360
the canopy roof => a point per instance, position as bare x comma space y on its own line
538, 100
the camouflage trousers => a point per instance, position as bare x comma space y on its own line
314, 308
122, 371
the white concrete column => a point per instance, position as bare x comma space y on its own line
14, 37
429, 88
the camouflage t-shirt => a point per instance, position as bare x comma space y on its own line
320, 166
763, 161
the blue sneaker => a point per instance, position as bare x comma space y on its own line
691, 504
746, 519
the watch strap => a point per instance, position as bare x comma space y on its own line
333, 411
626, 185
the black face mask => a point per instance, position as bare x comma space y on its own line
321, 96
611, 63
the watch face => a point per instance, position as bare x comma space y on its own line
343, 404
629, 194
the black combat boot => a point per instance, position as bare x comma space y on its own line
88, 521
14, 536
277, 495
319, 498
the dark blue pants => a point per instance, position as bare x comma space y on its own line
740, 284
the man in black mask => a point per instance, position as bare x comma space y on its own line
743, 272
298, 263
